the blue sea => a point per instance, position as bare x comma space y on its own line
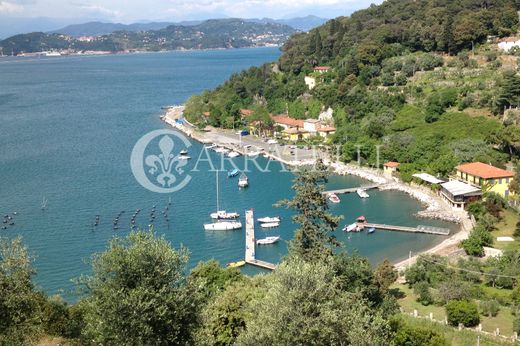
67, 129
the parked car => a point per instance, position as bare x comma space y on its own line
272, 141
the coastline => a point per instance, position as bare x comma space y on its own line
434, 206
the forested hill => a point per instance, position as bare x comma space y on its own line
215, 33
402, 75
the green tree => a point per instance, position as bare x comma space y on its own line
313, 239
137, 294
462, 311
20, 311
303, 306
212, 278
385, 274
407, 335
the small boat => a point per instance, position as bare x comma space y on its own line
184, 157
243, 181
236, 264
223, 226
362, 193
210, 146
268, 240
233, 154
183, 152
351, 228
268, 219
270, 225
233, 173
334, 198
221, 150
253, 153
361, 219
371, 230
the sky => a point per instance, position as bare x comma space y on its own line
127, 11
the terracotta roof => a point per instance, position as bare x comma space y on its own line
481, 170
326, 129
391, 164
285, 120
322, 68
246, 112
510, 39
312, 121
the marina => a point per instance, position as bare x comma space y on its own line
251, 244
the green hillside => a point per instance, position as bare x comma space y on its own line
417, 77
217, 33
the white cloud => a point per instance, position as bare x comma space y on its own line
100, 10
10, 7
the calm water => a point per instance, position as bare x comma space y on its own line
68, 126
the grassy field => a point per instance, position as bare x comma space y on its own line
407, 301
455, 337
505, 228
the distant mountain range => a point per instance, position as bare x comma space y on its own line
210, 34
100, 28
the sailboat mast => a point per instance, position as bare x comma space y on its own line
216, 177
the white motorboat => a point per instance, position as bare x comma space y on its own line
223, 226
233, 154
351, 228
222, 214
210, 146
362, 193
183, 152
270, 224
268, 219
184, 157
267, 240
253, 153
334, 198
243, 181
221, 150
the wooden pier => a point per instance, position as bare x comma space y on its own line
418, 229
352, 189
251, 244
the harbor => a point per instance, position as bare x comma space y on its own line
250, 257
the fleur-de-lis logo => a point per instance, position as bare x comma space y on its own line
162, 165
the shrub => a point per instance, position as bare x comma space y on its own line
489, 308
516, 325
422, 290
407, 335
462, 311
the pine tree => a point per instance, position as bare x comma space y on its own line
313, 239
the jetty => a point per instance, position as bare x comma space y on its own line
352, 189
251, 244
418, 229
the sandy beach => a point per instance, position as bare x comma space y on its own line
434, 206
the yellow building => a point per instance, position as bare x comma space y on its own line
295, 134
390, 167
495, 179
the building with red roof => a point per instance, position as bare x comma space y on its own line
480, 174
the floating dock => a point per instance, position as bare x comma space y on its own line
251, 244
418, 229
352, 189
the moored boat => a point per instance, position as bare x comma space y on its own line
268, 240
233, 154
334, 198
236, 264
371, 230
243, 181
362, 193
223, 215
223, 226
268, 219
270, 225
184, 157
351, 228
183, 152
233, 173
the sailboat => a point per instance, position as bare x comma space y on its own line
222, 214
243, 181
